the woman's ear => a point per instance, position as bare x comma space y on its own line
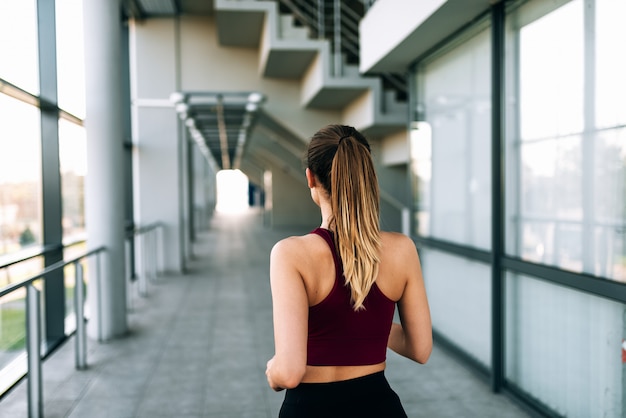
310, 179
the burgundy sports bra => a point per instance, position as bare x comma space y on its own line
340, 336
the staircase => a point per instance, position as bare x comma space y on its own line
316, 43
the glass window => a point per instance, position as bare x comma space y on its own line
13, 358
70, 56
566, 145
563, 347
459, 295
18, 42
20, 175
12, 338
551, 85
609, 205
610, 66
421, 168
551, 201
73, 161
451, 150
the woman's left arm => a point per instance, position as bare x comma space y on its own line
290, 311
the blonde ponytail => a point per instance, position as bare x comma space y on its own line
354, 197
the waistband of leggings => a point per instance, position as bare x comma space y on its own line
356, 383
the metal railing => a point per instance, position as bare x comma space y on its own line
145, 259
33, 325
27, 254
144, 262
338, 21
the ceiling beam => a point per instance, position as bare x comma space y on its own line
223, 134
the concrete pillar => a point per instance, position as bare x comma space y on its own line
104, 199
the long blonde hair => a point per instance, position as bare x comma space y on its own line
340, 158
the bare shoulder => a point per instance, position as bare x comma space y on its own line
399, 251
303, 257
395, 244
286, 244
296, 246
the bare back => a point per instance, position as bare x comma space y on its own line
317, 269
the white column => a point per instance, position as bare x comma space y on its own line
104, 189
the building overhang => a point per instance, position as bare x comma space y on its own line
409, 34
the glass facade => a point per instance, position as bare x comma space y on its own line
458, 292
32, 120
452, 148
609, 81
566, 138
73, 160
566, 151
20, 175
563, 200
18, 42
563, 347
70, 57
421, 144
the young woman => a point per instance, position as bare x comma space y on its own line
334, 293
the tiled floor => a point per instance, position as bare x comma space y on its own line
198, 345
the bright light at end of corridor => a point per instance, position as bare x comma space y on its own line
232, 191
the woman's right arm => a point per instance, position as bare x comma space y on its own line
290, 315
413, 337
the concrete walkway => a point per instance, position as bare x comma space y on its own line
199, 342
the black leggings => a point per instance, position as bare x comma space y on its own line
363, 397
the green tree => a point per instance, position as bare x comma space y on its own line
27, 237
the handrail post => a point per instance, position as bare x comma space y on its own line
321, 28
153, 250
33, 349
150, 254
161, 248
81, 339
147, 254
143, 280
337, 39
128, 274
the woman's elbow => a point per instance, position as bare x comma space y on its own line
293, 378
290, 383
423, 355
290, 376
421, 352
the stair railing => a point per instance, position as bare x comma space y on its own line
340, 25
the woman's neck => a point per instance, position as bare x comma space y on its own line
327, 213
